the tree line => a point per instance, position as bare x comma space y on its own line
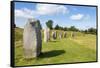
49, 24
91, 30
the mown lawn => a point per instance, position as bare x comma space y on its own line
82, 48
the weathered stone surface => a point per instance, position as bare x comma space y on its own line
60, 35
32, 39
54, 35
65, 34
14, 25
73, 34
46, 34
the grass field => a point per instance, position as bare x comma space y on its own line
82, 48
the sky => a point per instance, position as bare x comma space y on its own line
82, 17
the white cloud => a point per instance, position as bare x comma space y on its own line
27, 13
77, 17
41, 9
45, 9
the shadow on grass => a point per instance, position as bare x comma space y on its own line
51, 53
48, 54
53, 41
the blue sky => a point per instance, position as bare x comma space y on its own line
82, 17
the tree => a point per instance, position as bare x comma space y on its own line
49, 24
85, 31
65, 28
57, 27
92, 31
38, 24
73, 28
60, 28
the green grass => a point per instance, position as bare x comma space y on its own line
82, 48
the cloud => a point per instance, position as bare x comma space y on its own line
77, 17
41, 9
25, 12
45, 9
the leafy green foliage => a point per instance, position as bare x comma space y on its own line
90, 31
57, 27
49, 24
39, 25
73, 28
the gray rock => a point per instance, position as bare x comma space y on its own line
60, 35
46, 34
65, 34
54, 35
32, 39
73, 34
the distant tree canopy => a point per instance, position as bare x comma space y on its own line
49, 24
90, 31
39, 25
65, 28
57, 27
73, 28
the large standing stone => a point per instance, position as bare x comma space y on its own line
60, 35
54, 35
46, 34
32, 39
65, 34
73, 34
14, 25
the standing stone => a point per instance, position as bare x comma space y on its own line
32, 39
65, 34
73, 34
60, 35
46, 35
14, 25
54, 35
